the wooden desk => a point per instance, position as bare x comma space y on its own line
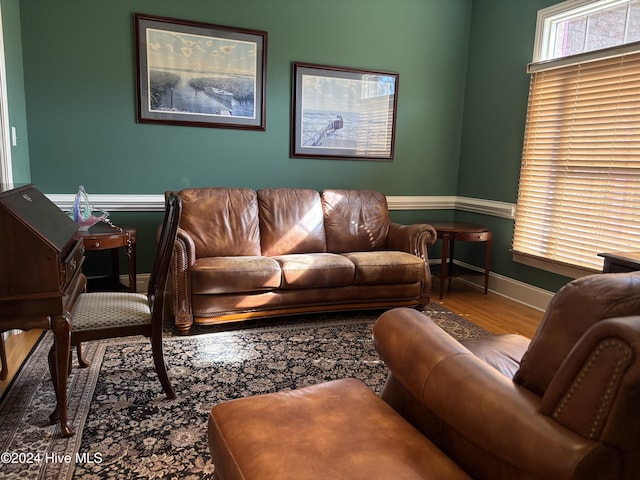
620, 262
102, 236
449, 232
40, 277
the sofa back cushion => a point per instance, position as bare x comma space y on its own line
355, 220
291, 221
221, 221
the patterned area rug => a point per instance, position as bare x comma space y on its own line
125, 426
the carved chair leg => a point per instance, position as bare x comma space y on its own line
161, 367
81, 361
3, 360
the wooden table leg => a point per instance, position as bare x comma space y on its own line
487, 264
115, 266
59, 364
444, 267
131, 254
452, 242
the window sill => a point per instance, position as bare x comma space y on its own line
563, 269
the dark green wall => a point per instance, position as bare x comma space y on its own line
462, 102
80, 87
500, 47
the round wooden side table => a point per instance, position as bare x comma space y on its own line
102, 236
449, 232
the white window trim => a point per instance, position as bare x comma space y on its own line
568, 271
564, 11
584, 57
541, 61
6, 171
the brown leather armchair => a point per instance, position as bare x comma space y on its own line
563, 406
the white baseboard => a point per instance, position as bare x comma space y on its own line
507, 287
142, 281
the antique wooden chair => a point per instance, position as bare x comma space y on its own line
103, 315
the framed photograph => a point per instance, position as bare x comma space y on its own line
343, 112
198, 74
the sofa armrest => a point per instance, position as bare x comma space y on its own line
184, 256
413, 238
484, 407
595, 389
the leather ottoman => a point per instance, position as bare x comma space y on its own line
334, 430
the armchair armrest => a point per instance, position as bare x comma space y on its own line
413, 238
595, 388
184, 256
481, 405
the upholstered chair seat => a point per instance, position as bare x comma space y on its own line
103, 310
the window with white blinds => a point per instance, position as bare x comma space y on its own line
579, 191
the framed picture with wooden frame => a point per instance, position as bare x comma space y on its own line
343, 113
199, 74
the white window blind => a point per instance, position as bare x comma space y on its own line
579, 188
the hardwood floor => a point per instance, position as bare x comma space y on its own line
492, 312
18, 347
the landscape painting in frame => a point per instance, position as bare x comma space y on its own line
198, 74
343, 112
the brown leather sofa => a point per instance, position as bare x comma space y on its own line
563, 406
247, 254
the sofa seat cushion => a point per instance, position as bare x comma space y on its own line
333, 430
386, 267
315, 270
215, 275
502, 352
